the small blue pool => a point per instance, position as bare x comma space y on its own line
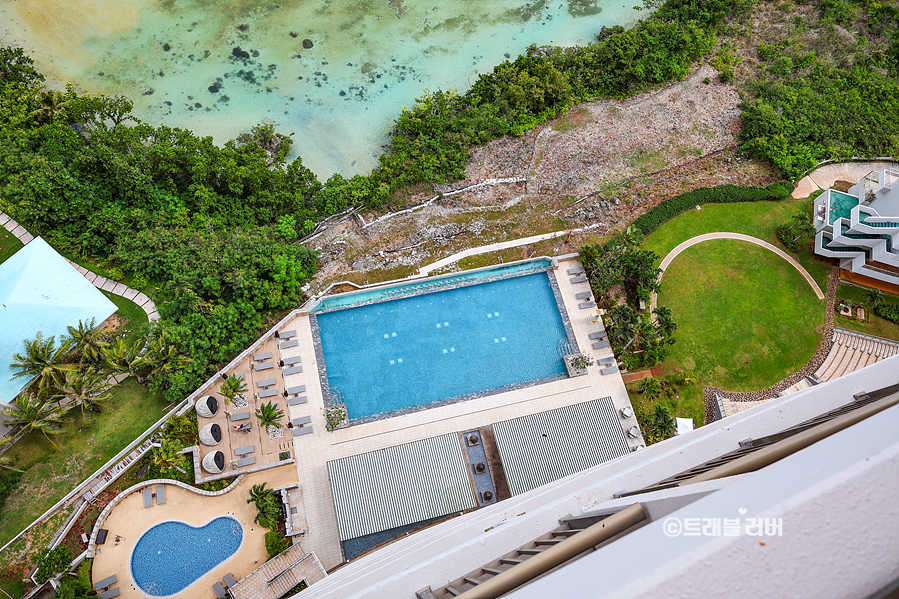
172, 555
399, 354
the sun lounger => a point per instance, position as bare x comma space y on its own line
291, 343
241, 376
303, 430
219, 591
585, 305
610, 370
242, 451
245, 462
148, 497
576, 271
160, 494
598, 335
106, 582
301, 420
265, 355
296, 390
287, 334
606, 361
266, 383
583, 295
240, 416
597, 345
265, 365
243, 428
101, 536
579, 279
293, 369
229, 580
295, 401
291, 360
267, 393
110, 594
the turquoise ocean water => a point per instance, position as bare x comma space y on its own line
335, 73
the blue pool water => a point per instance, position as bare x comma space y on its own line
172, 555
435, 346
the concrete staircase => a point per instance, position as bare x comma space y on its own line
850, 352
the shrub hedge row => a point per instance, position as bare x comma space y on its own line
721, 194
888, 311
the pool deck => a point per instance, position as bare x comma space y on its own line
130, 519
315, 519
314, 450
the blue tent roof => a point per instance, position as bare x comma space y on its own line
40, 291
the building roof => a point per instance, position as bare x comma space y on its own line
41, 292
400, 485
544, 447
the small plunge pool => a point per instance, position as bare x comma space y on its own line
173, 555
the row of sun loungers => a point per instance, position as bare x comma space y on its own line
105, 584
148, 496
220, 589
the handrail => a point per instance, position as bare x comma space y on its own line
772, 453
557, 555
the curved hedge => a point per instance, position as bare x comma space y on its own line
722, 194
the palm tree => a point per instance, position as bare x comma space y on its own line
163, 357
232, 387
258, 493
665, 321
88, 388
803, 226
649, 386
42, 361
87, 341
50, 105
686, 377
874, 298
168, 455
269, 414
662, 421
127, 359
28, 412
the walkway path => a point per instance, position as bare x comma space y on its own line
495, 247
826, 175
739, 237
114, 287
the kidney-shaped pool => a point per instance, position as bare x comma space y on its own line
172, 555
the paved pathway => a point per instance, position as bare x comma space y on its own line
826, 175
495, 247
739, 237
145, 303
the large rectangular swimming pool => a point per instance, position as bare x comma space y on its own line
397, 354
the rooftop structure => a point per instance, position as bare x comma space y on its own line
746, 505
861, 229
41, 292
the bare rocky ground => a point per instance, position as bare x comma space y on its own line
603, 163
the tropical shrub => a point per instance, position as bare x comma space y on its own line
275, 543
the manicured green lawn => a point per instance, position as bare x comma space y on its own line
9, 245
758, 219
87, 443
746, 318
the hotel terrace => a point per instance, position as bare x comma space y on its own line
451, 434
860, 227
